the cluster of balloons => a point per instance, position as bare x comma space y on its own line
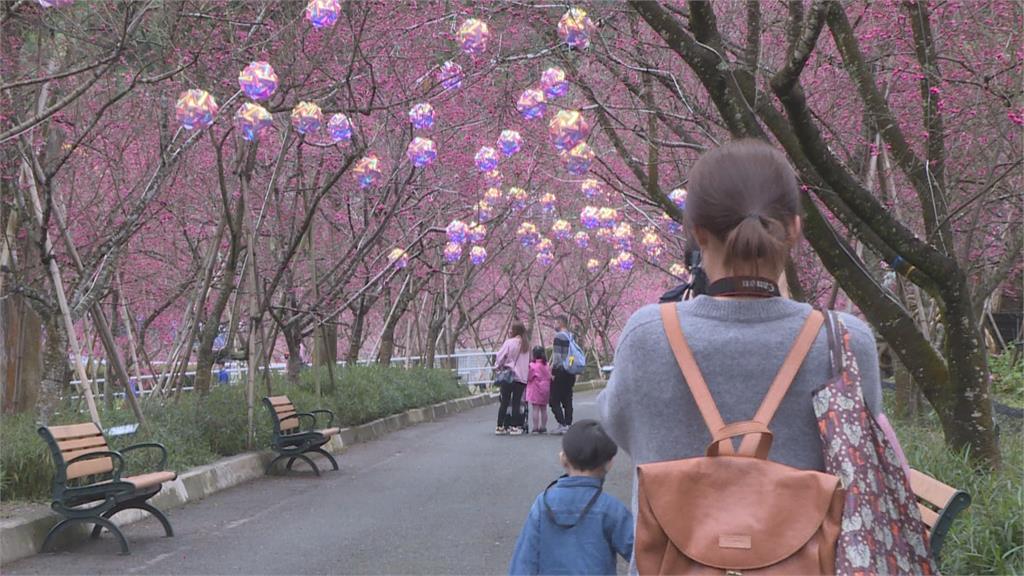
421, 151
459, 234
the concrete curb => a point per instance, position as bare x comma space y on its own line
23, 536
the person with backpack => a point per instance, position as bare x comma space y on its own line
736, 469
574, 527
512, 366
567, 361
538, 390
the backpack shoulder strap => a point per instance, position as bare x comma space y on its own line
790, 366
691, 372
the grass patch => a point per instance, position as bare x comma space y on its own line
988, 537
198, 430
1007, 378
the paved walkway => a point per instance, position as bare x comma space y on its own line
444, 497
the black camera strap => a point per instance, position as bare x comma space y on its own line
583, 514
748, 286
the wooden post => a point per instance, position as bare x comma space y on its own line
58, 287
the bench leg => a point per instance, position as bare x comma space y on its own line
158, 515
99, 523
291, 461
272, 462
327, 455
307, 460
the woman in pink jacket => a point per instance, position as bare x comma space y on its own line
514, 357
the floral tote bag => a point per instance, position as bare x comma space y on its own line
882, 531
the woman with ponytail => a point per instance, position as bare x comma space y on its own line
743, 209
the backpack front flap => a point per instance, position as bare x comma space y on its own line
735, 513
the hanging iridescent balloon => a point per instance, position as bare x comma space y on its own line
509, 142
531, 104
195, 109
452, 252
608, 217
593, 265
258, 80
678, 270
590, 217
486, 159
579, 159
561, 230
252, 119
493, 195
484, 211
623, 236
339, 128
322, 13
575, 27
671, 225
398, 258
545, 245
624, 261
678, 197
527, 234
518, 198
421, 152
652, 244
307, 118
567, 129
553, 83
476, 233
582, 239
55, 3
492, 178
545, 258
472, 36
449, 75
591, 188
457, 231
604, 234
477, 255
547, 202
367, 171
422, 116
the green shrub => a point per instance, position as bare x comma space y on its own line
1007, 378
198, 429
988, 537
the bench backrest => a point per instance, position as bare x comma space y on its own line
939, 503
74, 440
283, 412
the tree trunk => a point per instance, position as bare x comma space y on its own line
355, 338
325, 345
55, 368
20, 355
906, 399
293, 339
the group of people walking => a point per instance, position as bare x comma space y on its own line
525, 374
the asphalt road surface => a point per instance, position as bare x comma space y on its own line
445, 497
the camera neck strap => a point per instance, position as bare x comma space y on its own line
746, 286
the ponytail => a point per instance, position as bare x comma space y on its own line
759, 241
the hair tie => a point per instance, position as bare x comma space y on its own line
753, 217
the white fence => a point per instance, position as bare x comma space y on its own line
473, 367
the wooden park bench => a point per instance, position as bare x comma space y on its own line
939, 505
293, 441
88, 486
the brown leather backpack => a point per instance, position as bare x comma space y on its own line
733, 511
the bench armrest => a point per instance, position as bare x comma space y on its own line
157, 445
330, 420
99, 454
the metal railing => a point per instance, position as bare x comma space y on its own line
473, 368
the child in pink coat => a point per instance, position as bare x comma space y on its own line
538, 389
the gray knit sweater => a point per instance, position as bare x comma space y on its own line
738, 345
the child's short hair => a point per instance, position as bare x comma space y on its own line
539, 354
587, 447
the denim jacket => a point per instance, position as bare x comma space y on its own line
589, 546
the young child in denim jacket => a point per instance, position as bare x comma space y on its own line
573, 526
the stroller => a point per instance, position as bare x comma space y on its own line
525, 411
